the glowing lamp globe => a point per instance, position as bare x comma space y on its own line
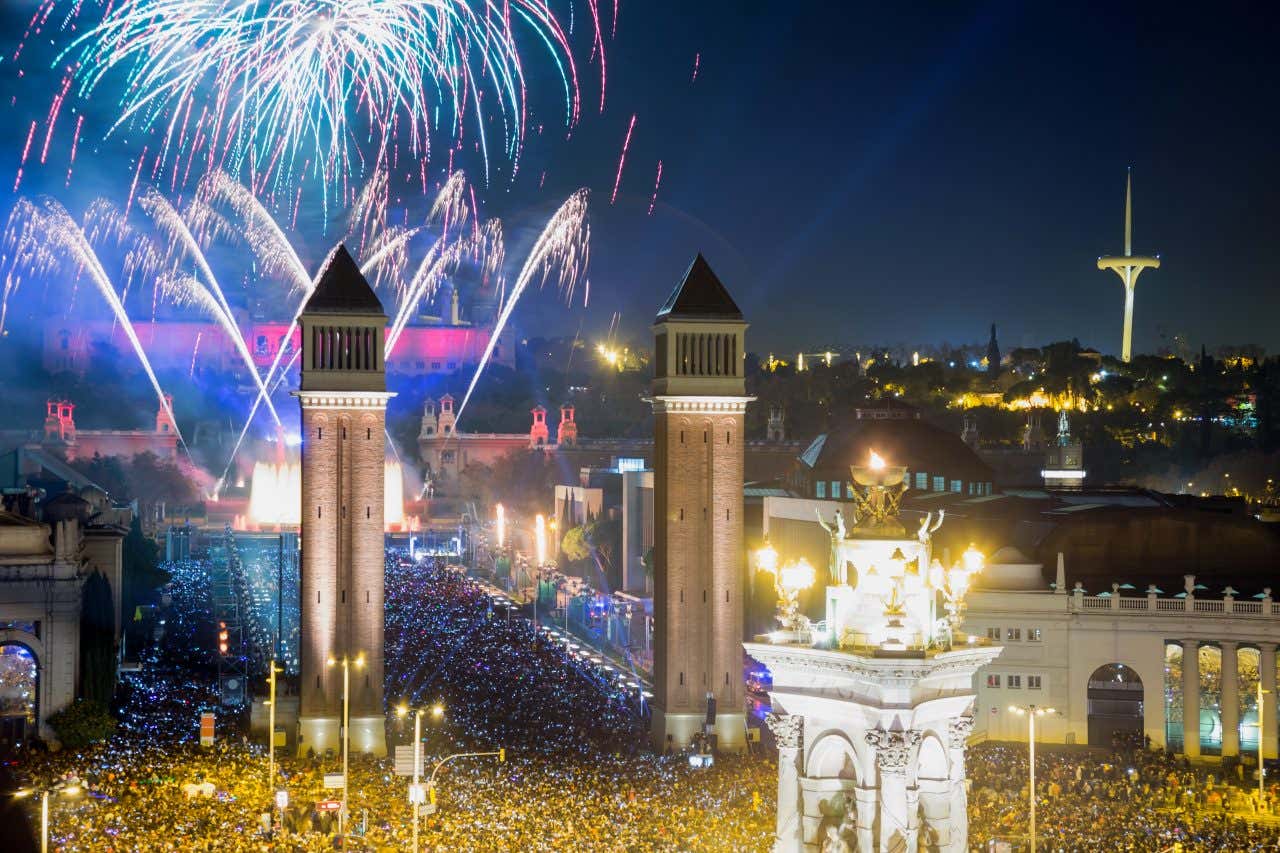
797, 576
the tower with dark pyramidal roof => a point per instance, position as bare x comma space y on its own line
699, 400
344, 401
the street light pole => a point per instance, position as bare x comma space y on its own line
346, 739
1032, 712
417, 770
346, 736
1262, 787
44, 821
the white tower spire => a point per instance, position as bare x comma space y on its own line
1128, 266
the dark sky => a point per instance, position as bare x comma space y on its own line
902, 172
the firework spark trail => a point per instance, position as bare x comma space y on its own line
275, 78
657, 182
49, 226
26, 149
175, 227
195, 350
564, 245
622, 160
75, 143
697, 61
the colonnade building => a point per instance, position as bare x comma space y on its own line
1180, 669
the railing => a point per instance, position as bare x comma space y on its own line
1185, 606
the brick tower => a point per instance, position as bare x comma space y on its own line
698, 403
344, 401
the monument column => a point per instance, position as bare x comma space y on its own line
958, 731
1230, 698
1191, 698
789, 732
1267, 672
893, 756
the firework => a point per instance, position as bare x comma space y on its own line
657, 182
562, 247
323, 89
622, 159
43, 236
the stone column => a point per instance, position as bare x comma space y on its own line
935, 799
958, 732
1230, 704
893, 756
789, 733
1267, 672
868, 802
1191, 698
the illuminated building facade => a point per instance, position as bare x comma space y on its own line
699, 402
343, 399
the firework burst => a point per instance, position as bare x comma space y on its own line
286, 90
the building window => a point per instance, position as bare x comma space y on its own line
453, 365
939, 484
1013, 634
821, 489
1033, 635
922, 481
435, 365
835, 490
1014, 682
993, 680
1033, 682
955, 486
446, 457
993, 634
848, 491
986, 488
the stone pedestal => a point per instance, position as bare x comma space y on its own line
871, 746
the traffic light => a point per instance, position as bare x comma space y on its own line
502, 755
223, 636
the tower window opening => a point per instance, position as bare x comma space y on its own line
704, 596
726, 437
682, 514
344, 597
726, 679
317, 682
319, 433
319, 511
366, 512
368, 434
366, 596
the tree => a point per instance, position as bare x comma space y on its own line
97, 640
141, 578
82, 723
993, 356
574, 544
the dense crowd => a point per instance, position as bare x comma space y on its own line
575, 777
1133, 799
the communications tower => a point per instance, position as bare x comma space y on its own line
1128, 266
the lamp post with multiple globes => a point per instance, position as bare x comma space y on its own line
417, 793
1031, 712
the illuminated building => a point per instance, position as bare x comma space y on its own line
343, 398
1181, 669
1128, 266
699, 402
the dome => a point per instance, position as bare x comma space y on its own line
1009, 569
911, 442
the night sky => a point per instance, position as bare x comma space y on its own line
883, 173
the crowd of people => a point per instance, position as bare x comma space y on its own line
1132, 799
577, 774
